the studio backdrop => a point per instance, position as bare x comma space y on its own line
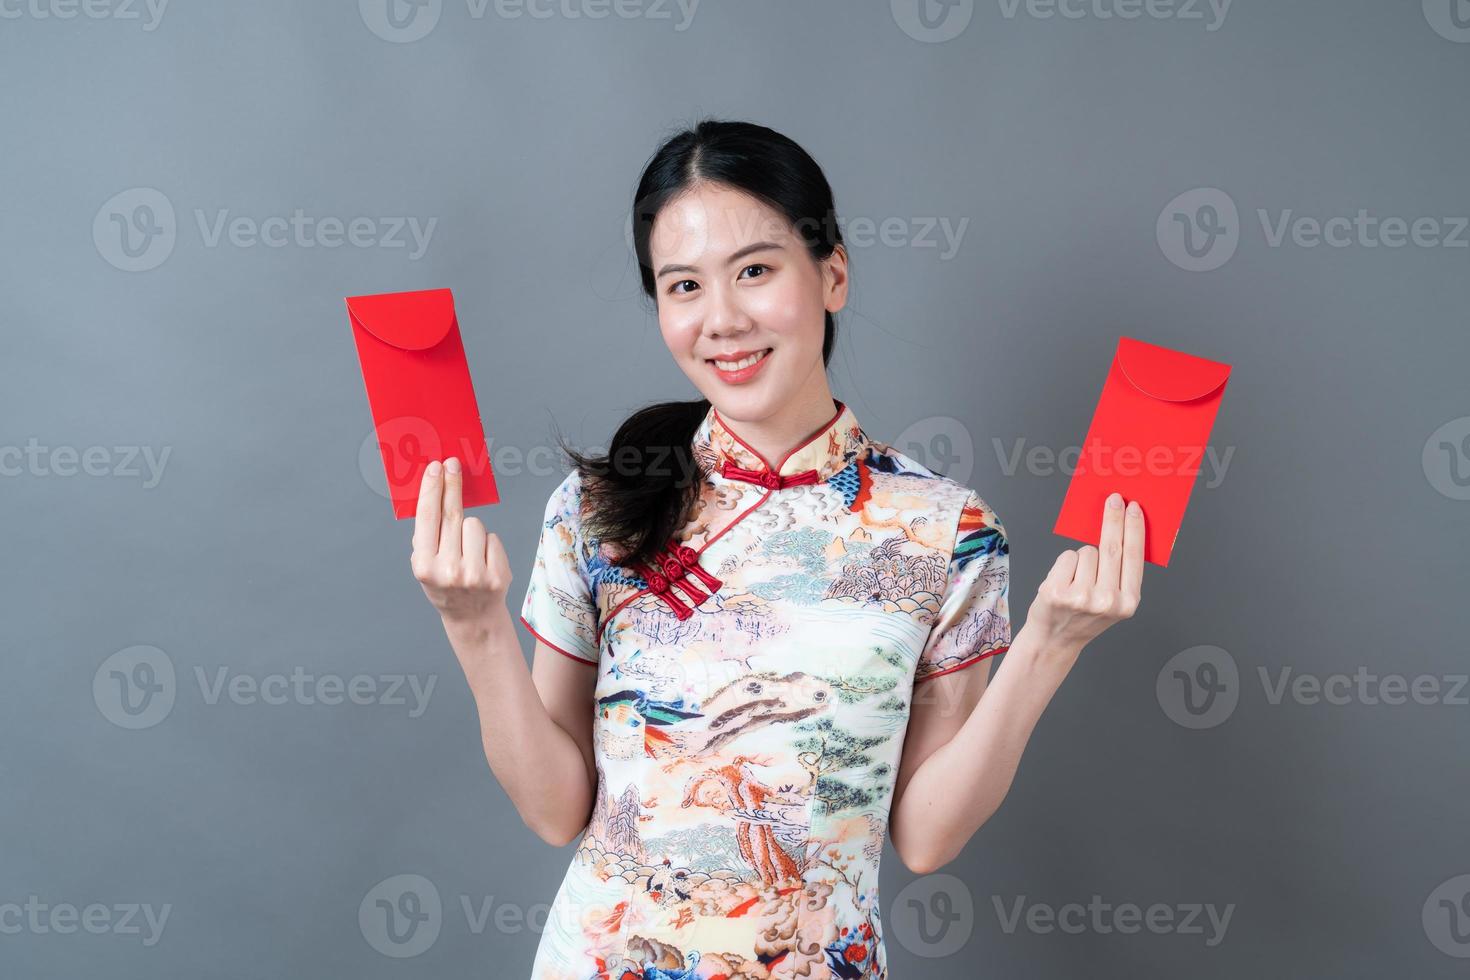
236, 743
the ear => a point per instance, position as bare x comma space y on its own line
834, 278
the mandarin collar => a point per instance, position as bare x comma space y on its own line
827, 452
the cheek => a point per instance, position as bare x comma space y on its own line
789, 315
680, 329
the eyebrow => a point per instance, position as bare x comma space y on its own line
734, 257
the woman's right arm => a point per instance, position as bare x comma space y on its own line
536, 725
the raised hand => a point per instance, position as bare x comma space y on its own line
1090, 589
462, 566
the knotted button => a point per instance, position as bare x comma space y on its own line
671, 566
658, 583
686, 555
771, 480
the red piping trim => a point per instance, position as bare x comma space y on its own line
699, 551
841, 406
951, 670
809, 440
580, 660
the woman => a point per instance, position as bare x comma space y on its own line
749, 673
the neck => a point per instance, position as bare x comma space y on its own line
775, 436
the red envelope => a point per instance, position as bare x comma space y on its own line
419, 388
1147, 441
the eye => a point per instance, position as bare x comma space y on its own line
756, 265
675, 287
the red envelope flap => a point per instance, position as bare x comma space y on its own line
1169, 375
412, 321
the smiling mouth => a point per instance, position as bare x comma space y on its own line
744, 362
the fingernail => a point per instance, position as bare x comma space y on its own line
1133, 507
433, 467
452, 464
1115, 500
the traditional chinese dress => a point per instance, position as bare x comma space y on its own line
752, 694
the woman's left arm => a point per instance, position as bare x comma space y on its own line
961, 749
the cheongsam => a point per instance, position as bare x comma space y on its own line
752, 693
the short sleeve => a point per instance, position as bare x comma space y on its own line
974, 618
559, 608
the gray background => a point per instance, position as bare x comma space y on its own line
1335, 542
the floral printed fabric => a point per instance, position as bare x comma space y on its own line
747, 736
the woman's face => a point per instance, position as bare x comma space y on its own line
733, 277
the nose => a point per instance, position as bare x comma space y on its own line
724, 315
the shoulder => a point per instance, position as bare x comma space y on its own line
956, 503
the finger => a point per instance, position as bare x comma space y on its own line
473, 543
495, 558
426, 516
1134, 533
1086, 574
450, 533
1063, 569
1110, 544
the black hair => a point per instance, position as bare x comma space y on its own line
639, 495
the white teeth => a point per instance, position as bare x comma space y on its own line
744, 362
